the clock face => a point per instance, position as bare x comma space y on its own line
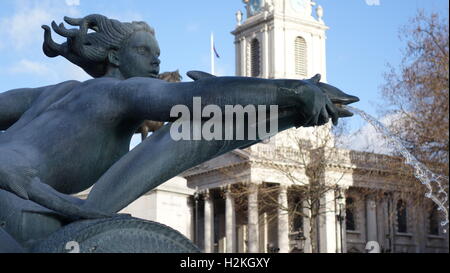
255, 6
300, 5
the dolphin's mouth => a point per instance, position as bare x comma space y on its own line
339, 99
340, 103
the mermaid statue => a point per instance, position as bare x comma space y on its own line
59, 140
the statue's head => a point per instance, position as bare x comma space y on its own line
101, 45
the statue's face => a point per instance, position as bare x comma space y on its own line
139, 57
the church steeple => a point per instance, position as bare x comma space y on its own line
280, 39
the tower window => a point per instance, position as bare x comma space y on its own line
402, 222
300, 57
255, 58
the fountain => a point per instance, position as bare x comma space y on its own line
421, 172
62, 139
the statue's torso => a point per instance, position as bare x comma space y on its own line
71, 135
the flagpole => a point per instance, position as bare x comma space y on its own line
212, 53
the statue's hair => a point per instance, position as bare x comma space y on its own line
89, 50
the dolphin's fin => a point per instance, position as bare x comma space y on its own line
197, 75
49, 198
18, 190
316, 78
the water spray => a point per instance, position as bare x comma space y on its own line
421, 172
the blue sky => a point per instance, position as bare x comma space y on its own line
362, 38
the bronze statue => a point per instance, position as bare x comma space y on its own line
149, 126
62, 139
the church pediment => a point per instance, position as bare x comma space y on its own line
229, 159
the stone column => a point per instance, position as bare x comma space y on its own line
242, 242
209, 223
307, 227
230, 222
327, 223
265, 52
385, 231
371, 219
253, 227
263, 232
243, 57
191, 226
237, 53
283, 221
420, 232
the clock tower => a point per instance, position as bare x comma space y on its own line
286, 39
280, 39
283, 39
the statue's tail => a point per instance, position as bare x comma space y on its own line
66, 205
8, 244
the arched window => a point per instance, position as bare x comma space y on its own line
350, 214
300, 57
434, 221
402, 217
255, 58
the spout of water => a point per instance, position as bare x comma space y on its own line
421, 172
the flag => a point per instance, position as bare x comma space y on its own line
215, 52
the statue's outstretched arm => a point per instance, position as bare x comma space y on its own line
153, 99
14, 103
160, 157
156, 160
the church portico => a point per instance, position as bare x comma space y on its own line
250, 207
235, 222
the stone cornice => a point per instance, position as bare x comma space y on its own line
305, 22
346, 161
205, 171
253, 21
271, 19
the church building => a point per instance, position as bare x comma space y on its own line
222, 205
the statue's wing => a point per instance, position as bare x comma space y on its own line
197, 75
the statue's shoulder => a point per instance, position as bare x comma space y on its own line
64, 84
98, 84
109, 84
99, 81
63, 88
60, 88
